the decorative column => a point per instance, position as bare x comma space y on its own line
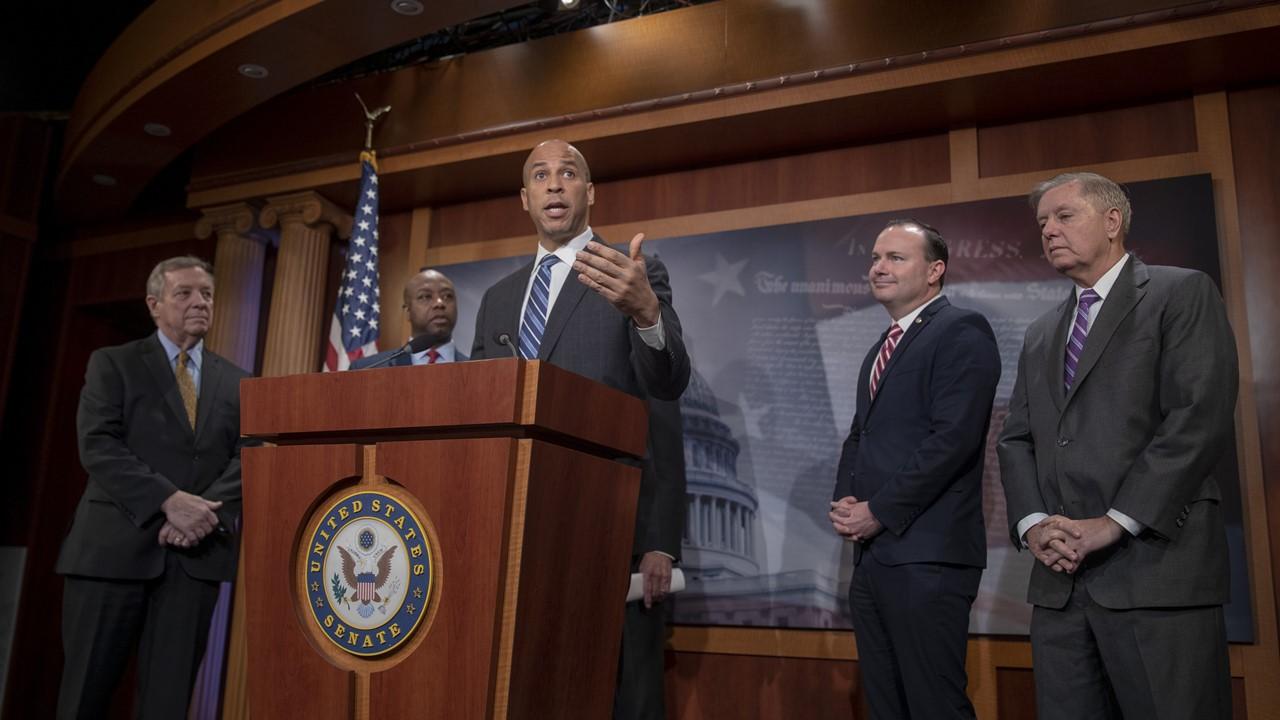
294, 329
238, 264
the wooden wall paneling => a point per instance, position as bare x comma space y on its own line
15, 258
963, 153
1258, 663
1252, 116
1164, 128
395, 265
26, 433
120, 239
100, 295
745, 186
1016, 694
24, 158
711, 686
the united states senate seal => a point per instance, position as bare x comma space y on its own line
368, 573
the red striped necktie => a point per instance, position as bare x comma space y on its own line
886, 351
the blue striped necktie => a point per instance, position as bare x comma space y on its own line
1079, 331
534, 322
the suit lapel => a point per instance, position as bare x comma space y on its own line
566, 302
917, 326
509, 300
157, 364
864, 377
1058, 350
210, 378
1128, 290
571, 293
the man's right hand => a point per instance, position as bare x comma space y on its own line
191, 515
840, 513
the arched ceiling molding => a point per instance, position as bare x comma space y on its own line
1116, 62
177, 65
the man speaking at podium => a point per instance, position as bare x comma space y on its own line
607, 315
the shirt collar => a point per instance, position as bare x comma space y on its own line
567, 252
905, 321
1107, 281
447, 354
194, 356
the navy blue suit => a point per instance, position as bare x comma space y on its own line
915, 453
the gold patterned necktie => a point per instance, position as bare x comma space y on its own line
186, 387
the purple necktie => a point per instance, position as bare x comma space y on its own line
1079, 331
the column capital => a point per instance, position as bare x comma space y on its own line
309, 208
239, 218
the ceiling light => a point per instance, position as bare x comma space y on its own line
407, 7
568, 4
104, 180
256, 72
157, 130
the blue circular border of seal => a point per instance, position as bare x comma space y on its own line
400, 627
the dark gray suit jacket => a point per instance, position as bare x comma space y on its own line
588, 336
1148, 417
138, 448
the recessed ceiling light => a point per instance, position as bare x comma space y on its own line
157, 130
256, 72
407, 7
104, 180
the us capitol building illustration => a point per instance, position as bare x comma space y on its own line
721, 538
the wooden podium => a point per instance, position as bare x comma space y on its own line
506, 600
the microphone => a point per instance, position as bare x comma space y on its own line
505, 339
416, 345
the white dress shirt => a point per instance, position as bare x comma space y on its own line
448, 354
568, 254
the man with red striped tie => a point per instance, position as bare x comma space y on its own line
909, 486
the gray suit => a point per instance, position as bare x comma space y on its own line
1148, 417
588, 336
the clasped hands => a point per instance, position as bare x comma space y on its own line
1062, 543
188, 519
853, 519
623, 280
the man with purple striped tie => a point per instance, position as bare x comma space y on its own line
1122, 408
604, 314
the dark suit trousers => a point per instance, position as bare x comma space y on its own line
1157, 663
640, 694
911, 623
167, 618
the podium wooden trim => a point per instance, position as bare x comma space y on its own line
524, 476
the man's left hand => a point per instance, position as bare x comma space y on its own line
622, 280
656, 569
170, 535
1091, 535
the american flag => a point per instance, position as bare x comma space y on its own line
353, 333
